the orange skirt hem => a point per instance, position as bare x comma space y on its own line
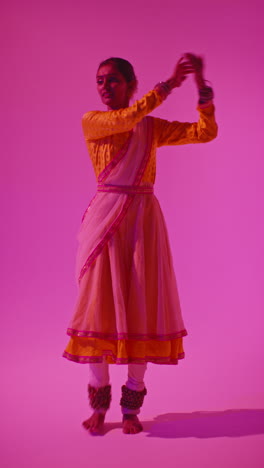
88, 350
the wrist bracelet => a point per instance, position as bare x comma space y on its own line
206, 94
163, 89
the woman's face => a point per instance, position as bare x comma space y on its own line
112, 87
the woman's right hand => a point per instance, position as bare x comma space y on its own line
183, 68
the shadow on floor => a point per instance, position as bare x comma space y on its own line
203, 424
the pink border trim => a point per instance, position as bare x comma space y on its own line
128, 189
147, 153
112, 229
205, 105
107, 170
125, 336
91, 202
98, 359
110, 167
98, 249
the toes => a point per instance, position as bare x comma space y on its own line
126, 429
94, 424
86, 424
132, 427
135, 429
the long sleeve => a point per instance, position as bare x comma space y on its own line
180, 133
100, 124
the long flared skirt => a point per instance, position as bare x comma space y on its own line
128, 307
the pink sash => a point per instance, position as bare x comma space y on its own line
117, 184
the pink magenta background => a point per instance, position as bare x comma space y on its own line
209, 410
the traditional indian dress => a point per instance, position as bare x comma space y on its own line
128, 308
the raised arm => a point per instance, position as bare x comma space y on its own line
99, 124
181, 133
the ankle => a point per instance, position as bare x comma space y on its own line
132, 400
129, 417
99, 398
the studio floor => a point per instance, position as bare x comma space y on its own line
44, 403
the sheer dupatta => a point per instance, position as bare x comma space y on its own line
107, 209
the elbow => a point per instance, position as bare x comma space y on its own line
85, 125
209, 136
214, 133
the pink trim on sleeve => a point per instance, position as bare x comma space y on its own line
206, 104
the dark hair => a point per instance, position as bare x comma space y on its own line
124, 67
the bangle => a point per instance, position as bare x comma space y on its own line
206, 94
163, 89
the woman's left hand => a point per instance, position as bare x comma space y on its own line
197, 64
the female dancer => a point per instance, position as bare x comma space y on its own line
128, 309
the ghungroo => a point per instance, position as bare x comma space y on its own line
132, 399
100, 397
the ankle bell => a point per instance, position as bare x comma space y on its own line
100, 397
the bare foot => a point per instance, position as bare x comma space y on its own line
95, 424
131, 424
